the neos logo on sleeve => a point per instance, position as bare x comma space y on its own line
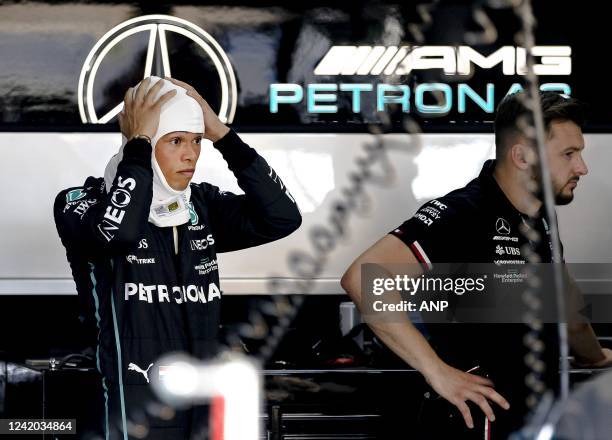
120, 199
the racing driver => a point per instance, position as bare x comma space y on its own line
142, 243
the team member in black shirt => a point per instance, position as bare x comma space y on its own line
480, 224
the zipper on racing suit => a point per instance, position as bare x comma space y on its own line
175, 237
179, 276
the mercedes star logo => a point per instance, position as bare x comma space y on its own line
502, 226
157, 27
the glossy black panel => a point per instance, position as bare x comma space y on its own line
44, 47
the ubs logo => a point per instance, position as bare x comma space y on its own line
157, 27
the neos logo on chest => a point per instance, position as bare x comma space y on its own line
202, 244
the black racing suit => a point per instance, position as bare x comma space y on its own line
478, 224
146, 300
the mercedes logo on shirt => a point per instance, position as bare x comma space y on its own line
502, 226
120, 40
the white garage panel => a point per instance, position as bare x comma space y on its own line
315, 167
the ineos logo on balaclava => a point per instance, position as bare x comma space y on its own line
157, 26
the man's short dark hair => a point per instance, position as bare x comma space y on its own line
555, 106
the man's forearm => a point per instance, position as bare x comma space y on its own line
406, 341
396, 331
582, 338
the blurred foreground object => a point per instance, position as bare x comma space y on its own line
231, 384
585, 415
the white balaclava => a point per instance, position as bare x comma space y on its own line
169, 207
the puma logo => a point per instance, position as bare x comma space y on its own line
136, 368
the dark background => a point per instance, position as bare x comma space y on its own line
39, 71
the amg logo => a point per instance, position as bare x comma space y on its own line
200, 245
453, 60
505, 238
